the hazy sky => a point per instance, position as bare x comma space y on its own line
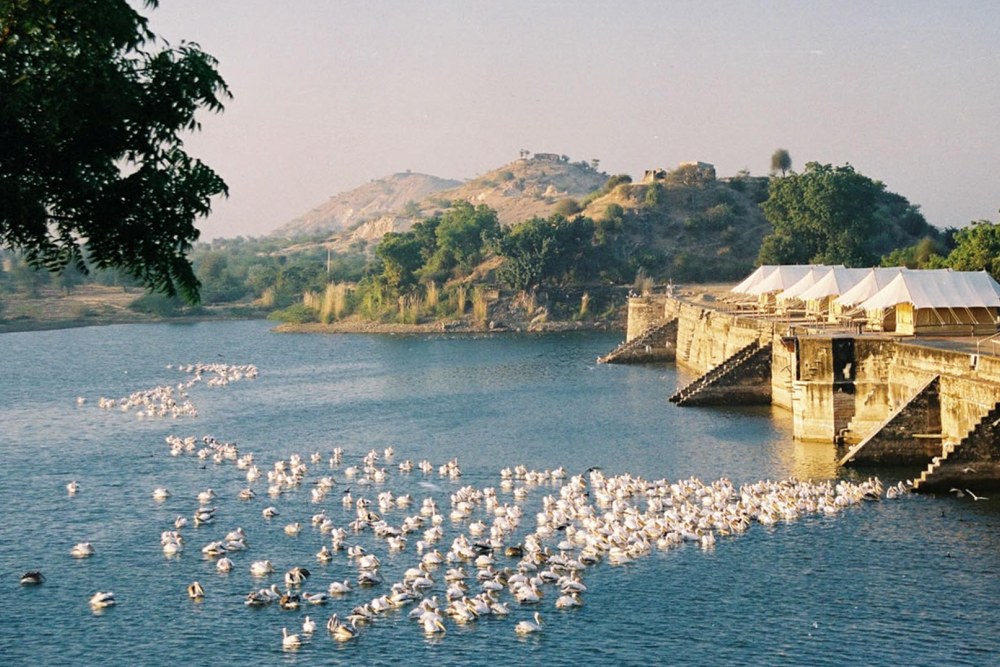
331, 94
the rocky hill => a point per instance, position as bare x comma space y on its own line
530, 187
372, 201
686, 224
517, 191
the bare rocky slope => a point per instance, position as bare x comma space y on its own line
517, 191
371, 201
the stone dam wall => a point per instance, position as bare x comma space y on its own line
842, 387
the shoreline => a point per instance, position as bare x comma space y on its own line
357, 326
348, 326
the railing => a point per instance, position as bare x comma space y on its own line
987, 338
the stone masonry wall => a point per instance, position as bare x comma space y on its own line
906, 437
886, 374
643, 312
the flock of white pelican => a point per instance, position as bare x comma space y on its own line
497, 558
476, 552
173, 401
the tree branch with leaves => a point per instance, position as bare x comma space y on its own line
93, 169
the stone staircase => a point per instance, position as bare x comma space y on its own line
717, 374
842, 433
991, 419
936, 462
638, 349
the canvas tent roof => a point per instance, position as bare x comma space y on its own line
869, 286
781, 278
836, 282
938, 289
806, 282
754, 279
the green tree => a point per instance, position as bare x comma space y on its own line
526, 249
555, 250
977, 249
92, 165
460, 237
927, 253
823, 215
400, 255
781, 161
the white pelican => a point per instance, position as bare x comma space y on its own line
72, 488
101, 600
195, 591
340, 587
224, 564
527, 627
569, 600
82, 550
206, 496
308, 626
432, 623
369, 578
289, 641
160, 494
296, 576
261, 568
269, 512
341, 631
316, 598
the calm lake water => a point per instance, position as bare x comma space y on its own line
910, 581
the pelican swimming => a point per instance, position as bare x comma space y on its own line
82, 550
160, 494
206, 496
224, 564
261, 568
340, 587
296, 576
432, 623
101, 599
72, 488
32, 577
195, 591
569, 600
289, 641
527, 627
308, 626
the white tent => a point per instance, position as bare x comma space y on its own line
754, 279
814, 275
868, 286
938, 301
940, 288
833, 283
836, 282
781, 278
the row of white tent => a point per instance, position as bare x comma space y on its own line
926, 299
